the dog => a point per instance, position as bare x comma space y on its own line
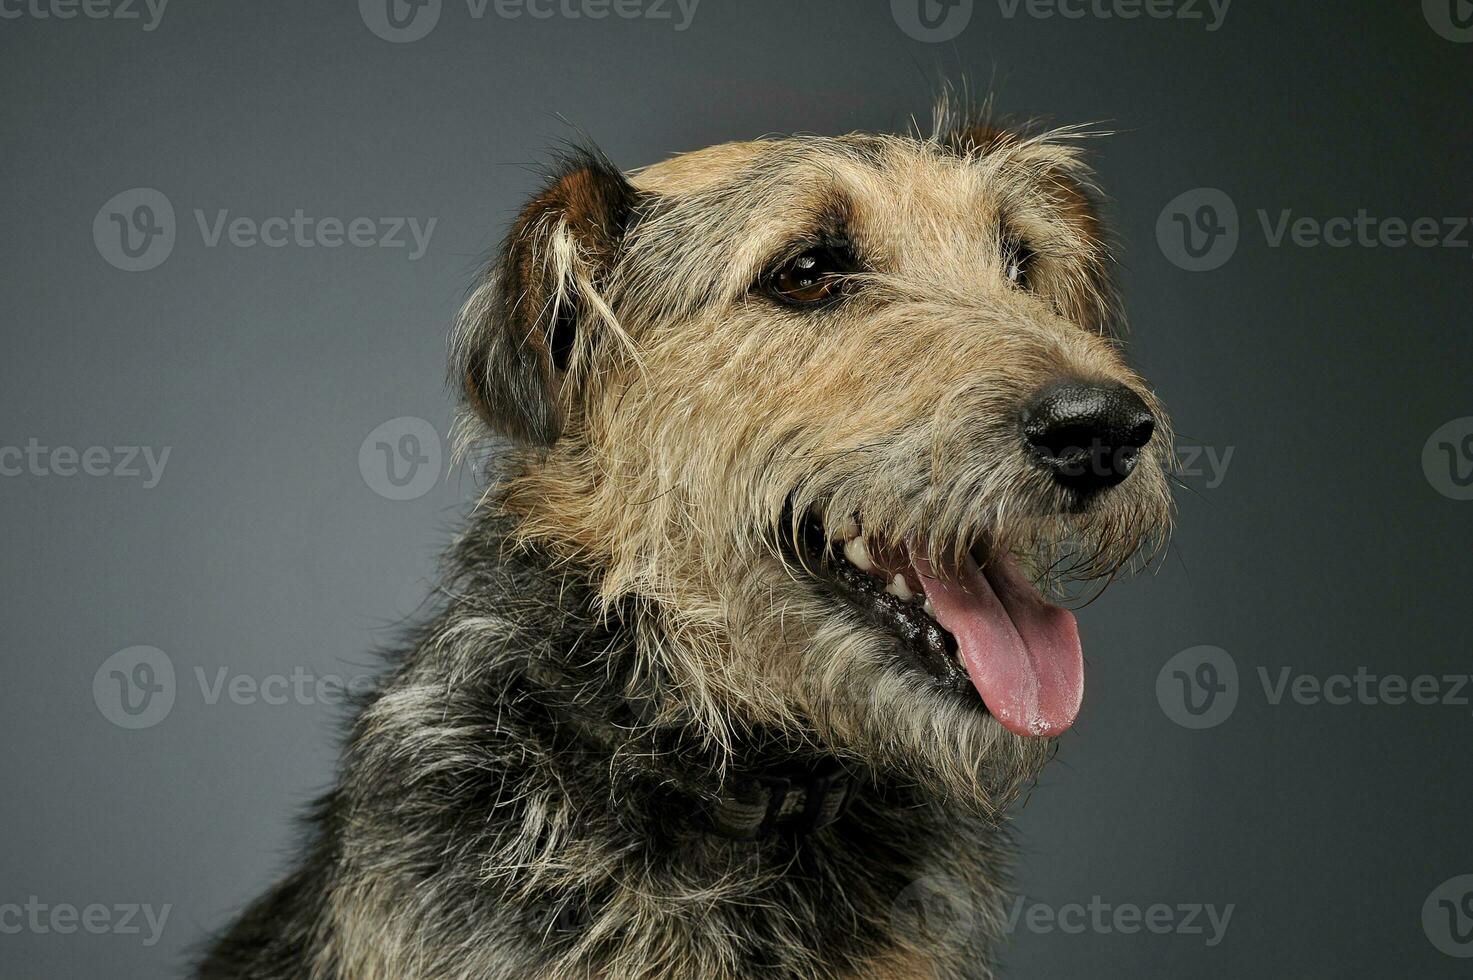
754, 626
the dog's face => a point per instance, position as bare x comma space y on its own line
828, 410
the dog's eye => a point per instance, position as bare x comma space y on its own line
812, 277
1018, 257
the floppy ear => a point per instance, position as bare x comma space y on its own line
520, 340
1088, 296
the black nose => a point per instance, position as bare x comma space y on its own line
1088, 435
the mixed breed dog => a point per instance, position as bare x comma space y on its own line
752, 628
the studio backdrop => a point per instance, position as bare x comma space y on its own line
235, 237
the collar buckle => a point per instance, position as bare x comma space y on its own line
776, 803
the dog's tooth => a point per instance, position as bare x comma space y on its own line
844, 530
930, 610
900, 587
858, 554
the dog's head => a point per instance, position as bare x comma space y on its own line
831, 412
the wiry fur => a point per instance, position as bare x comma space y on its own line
622, 632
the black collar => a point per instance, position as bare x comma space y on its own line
791, 797
772, 802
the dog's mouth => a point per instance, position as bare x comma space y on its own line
980, 629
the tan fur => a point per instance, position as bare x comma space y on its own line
658, 460
672, 463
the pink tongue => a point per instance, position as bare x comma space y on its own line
1022, 653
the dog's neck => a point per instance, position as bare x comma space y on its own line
570, 807
746, 784
755, 786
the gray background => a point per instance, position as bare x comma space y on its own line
265, 549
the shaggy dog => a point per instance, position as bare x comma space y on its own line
748, 635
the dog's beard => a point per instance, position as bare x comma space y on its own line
874, 672
830, 683
896, 723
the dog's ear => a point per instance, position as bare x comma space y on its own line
523, 336
1088, 298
